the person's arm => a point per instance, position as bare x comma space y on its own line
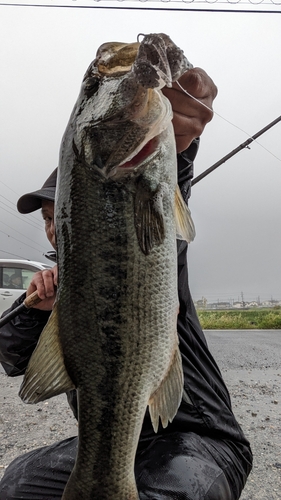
19, 337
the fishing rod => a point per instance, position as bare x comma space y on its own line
236, 150
27, 304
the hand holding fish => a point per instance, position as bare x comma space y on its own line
44, 282
190, 117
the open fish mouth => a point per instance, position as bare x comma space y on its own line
144, 154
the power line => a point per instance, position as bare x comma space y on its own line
14, 254
4, 182
15, 230
26, 244
30, 219
38, 227
13, 204
177, 9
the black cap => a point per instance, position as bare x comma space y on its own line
33, 201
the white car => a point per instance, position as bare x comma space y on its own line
15, 276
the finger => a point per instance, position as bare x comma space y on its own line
194, 95
55, 275
48, 282
43, 283
189, 126
37, 284
186, 111
186, 130
198, 83
191, 107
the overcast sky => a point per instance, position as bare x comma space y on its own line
237, 209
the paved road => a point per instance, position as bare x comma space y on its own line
246, 349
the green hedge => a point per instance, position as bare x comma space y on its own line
266, 319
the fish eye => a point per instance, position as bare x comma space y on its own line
91, 85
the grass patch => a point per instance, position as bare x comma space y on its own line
264, 319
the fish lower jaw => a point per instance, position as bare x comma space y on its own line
139, 160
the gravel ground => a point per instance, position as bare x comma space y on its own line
251, 366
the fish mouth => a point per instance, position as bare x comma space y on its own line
148, 149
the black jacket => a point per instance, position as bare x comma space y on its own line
209, 411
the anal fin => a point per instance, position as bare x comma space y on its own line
46, 375
165, 401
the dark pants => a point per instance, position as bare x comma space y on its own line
176, 466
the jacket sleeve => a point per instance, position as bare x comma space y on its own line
19, 337
185, 168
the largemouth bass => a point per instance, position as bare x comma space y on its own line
113, 332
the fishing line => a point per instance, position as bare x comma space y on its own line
228, 121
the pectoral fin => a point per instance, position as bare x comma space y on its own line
184, 222
149, 217
164, 403
46, 375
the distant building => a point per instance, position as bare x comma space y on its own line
238, 305
220, 305
223, 305
201, 303
271, 303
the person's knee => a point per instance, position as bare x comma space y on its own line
180, 473
8, 487
40, 473
220, 489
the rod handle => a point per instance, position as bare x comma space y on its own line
32, 300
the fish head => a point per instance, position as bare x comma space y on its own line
121, 112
